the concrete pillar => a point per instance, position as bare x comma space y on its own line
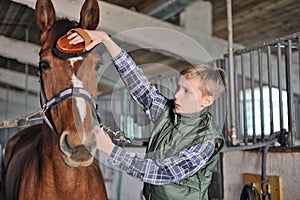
198, 18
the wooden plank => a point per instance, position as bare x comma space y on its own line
275, 183
254, 20
262, 11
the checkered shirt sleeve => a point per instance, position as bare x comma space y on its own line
139, 86
163, 171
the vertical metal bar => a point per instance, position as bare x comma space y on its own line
236, 96
244, 100
252, 96
299, 61
270, 81
217, 106
297, 127
231, 66
228, 104
260, 78
7, 92
26, 72
6, 132
279, 85
289, 73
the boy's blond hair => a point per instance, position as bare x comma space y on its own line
212, 80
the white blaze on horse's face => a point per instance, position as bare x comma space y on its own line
73, 60
80, 102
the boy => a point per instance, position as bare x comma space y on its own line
185, 143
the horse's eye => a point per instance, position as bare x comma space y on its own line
98, 65
44, 65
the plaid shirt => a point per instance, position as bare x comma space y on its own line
161, 171
139, 86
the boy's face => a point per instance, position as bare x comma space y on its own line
188, 98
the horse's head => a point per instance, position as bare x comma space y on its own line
70, 83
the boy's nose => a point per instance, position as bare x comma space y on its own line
176, 96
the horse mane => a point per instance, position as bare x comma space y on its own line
59, 28
27, 142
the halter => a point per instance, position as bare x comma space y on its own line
71, 92
118, 136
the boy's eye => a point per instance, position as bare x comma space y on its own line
186, 91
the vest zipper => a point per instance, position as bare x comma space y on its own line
165, 133
162, 137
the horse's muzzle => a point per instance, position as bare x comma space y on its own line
80, 155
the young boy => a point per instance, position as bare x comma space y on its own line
185, 143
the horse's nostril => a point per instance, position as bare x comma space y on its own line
80, 154
65, 148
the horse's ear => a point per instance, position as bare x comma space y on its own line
44, 14
89, 15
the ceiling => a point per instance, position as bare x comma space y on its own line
254, 21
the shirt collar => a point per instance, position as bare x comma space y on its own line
190, 119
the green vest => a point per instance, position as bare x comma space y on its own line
174, 133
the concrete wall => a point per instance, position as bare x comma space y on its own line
286, 165
235, 164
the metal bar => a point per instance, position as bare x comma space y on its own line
7, 92
264, 178
6, 133
26, 72
231, 66
236, 97
297, 127
270, 81
244, 100
252, 96
289, 73
271, 43
299, 60
279, 85
228, 104
260, 74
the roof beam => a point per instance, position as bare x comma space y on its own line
17, 97
146, 31
25, 82
23, 52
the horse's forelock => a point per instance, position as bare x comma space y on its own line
60, 28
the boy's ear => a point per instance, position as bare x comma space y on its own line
207, 101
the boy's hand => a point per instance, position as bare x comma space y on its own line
104, 142
96, 37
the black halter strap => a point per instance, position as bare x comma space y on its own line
68, 93
71, 92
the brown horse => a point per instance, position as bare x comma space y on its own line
55, 160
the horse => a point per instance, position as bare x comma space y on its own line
56, 159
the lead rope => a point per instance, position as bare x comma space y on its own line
265, 187
249, 192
